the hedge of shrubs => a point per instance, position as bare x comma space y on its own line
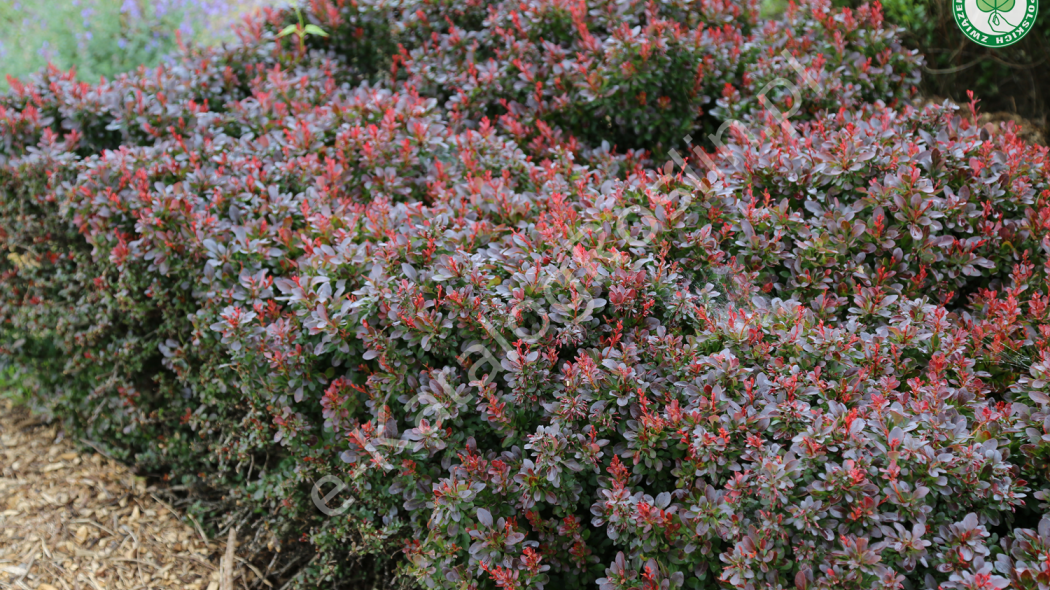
630, 74
412, 258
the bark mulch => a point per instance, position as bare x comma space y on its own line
76, 521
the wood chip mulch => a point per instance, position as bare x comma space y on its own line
1033, 131
77, 521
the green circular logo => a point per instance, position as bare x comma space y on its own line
995, 23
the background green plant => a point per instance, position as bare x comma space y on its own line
1014, 79
107, 37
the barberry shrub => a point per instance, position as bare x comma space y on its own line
636, 75
821, 363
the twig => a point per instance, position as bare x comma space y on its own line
128, 559
98, 449
255, 571
227, 562
165, 504
269, 567
32, 560
30, 421
128, 530
199, 529
198, 559
1017, 66
292, 579
953, 69
92, 523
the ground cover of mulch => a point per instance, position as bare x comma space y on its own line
1033, 132
1029, 130
71, 520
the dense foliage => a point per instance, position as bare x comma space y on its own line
411, 258
632, 74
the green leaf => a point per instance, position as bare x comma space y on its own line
316, 30
995, 5
287, 31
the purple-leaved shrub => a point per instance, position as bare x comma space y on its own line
534, 360
636, 75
